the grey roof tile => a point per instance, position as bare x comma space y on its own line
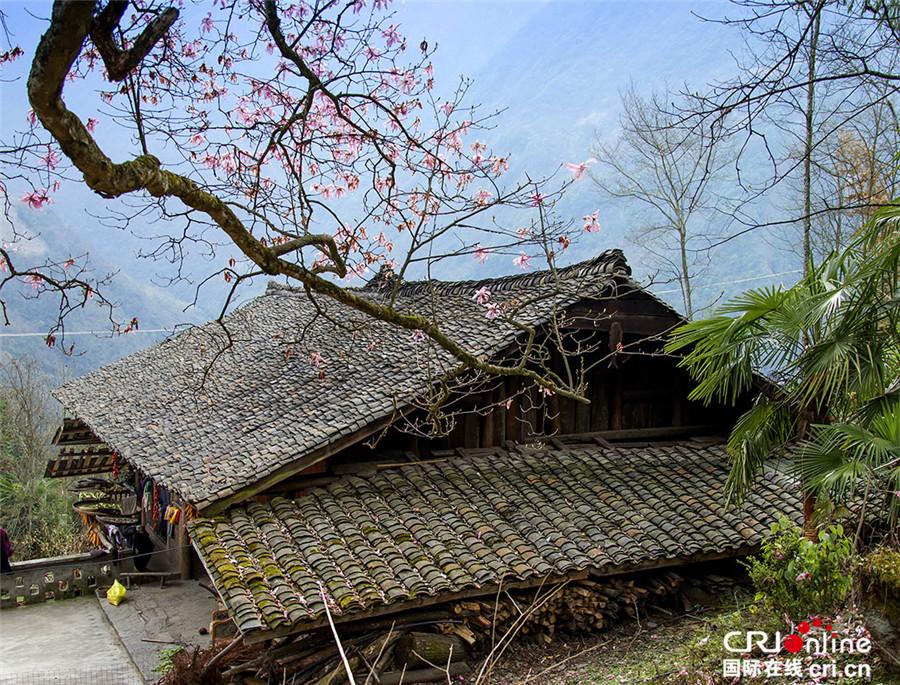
259, 408
432, 529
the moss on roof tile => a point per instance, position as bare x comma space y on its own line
608, 505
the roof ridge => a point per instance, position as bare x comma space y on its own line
607, 263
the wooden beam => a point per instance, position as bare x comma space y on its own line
660, 432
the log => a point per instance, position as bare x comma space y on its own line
425, 675
418, 650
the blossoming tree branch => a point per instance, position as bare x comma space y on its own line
310, 136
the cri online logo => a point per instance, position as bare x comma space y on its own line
826, 642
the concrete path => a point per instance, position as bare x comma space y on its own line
65, 642
152, 619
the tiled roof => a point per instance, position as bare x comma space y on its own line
209, 431
436, 529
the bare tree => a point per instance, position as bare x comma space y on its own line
672, 175
855, 174
811, 70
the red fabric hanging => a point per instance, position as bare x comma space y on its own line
155, 503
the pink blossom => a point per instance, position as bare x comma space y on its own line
31, 117
51, 159
482, 196
547, 392
522, 261
36, 198
590, 222
499, 165
315, 359
391, 35
481, 253
34, 280
407, 82
447, 107
91, 125
206, 24
493, 310
537, 198
579, 169
418, 335
482, 295
803, 576
478, 148
197, 139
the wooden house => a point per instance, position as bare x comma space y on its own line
294, 443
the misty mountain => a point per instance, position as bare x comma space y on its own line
157, 309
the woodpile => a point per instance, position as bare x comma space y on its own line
424, 645
394, 655
576, 606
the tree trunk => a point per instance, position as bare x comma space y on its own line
685, 273
807, 151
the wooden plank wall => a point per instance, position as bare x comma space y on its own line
640, 392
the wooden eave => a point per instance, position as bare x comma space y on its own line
80, 452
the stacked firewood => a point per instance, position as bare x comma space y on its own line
583, 606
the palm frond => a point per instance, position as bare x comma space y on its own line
765, 427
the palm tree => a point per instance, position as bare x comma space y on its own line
831, 347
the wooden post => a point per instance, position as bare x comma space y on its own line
553, 411
676, 408
184, 552
487, 423
615, 422
472, 425
599, 400
513, 425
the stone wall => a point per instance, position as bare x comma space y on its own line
44, 580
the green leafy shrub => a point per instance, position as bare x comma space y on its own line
799, 577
